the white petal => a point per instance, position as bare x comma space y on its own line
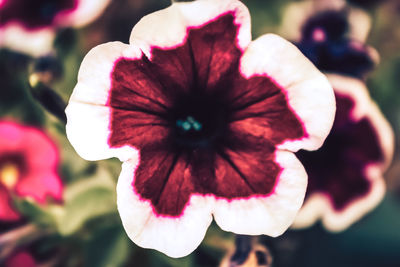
270, 215
308, 91
87, 113
176, 237
319, 206
88, 131
168, 27
33, 42
86, 12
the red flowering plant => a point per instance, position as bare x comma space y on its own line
205, 121
29, 26
28, 168
21, 258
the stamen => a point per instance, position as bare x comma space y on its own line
189, 124
9, 175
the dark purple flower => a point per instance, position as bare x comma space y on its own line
326, 42
346, 173
332, 35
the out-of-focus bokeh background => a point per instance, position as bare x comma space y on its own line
86, 229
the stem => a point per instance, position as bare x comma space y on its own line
49, 100
10, 240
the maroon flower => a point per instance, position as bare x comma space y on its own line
346, 174
205, 121
29, 25
28, 167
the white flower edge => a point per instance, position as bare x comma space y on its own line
307, 90
319, 206
88, 116
179, 236
86, 12
176, 237
152, 30
270, 215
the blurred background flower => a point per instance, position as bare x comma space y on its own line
86, 230
30, 26
28, 167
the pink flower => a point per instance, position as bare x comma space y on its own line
19, 259
205, 121
346, 174
29, 26
28, 167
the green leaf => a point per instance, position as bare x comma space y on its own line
37, 214
86, 199
108, 248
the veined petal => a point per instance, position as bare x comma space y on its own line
153, 30
308, 92
272, 214
174, 236
88, 112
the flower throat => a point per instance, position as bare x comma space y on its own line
198, 121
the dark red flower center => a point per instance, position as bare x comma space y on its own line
199, 120
190, 112
34, 13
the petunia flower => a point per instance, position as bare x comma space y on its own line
205, 122
29, 26
296, 15
346, 174
28, 168
326, 42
